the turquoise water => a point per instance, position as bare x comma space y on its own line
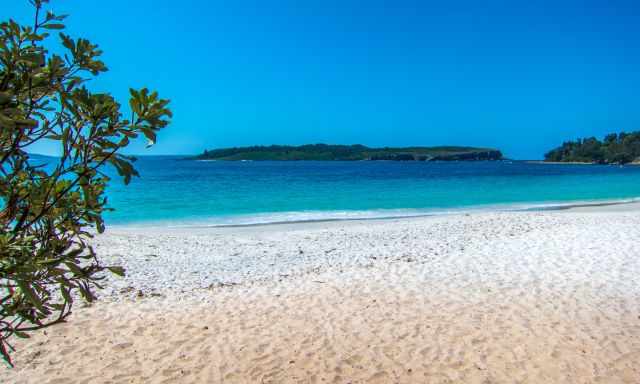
173, 191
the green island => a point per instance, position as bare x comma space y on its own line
355, 152
616, 148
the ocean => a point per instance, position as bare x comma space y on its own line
176, 192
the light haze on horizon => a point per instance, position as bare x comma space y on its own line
517, 76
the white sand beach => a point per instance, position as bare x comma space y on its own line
537, 297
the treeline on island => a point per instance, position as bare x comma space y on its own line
616, 148
350, 153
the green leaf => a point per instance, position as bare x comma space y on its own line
74, 268
26, 122
100, 226
68, 42
52, 16
6, 122
117, 271
65, 294
4, 98
5, 353
149, 134
74, 253
53, 26
31, 295
32, 57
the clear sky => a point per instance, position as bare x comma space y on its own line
521, 76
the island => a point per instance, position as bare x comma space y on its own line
326, 152
616, 148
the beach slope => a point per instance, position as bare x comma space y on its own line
536, 297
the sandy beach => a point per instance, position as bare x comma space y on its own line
536, 297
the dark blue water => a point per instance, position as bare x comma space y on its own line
185, 192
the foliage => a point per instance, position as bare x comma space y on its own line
619, 148
49, 212
349, 152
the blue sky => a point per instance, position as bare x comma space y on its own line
521, 76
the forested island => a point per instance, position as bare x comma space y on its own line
355, 152
617, 148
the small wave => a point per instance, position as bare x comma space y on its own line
558, 206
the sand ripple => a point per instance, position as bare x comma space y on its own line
491, 298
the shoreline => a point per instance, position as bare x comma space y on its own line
633, 163
563, 162
631, 204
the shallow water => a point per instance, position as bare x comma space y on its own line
173, 191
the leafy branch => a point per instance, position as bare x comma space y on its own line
49, 212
